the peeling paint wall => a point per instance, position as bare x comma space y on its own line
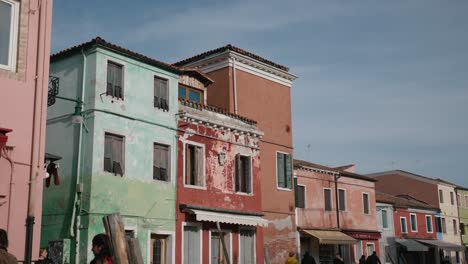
146, 205
463, 213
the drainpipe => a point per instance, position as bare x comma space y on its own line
336, 177
36, 133
77, 202
234, 85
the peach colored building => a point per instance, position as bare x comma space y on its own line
259, 89
335, 212
25, 28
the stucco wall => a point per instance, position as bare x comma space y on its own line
463, 212
421, 230
387, 233
449, 211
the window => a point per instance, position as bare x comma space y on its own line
114, 80
300, 194
191, 245
358, 250
441, 196
444, 226
284, 170
455, 227
370, 248
220, 253
161, 157
365, 203
191, 94
160, 249
458, 200
9, 16
194, 165
462, 228
414, 223
161, 94
429, 224
404, 228
328, 199
247, 246
452, 198
243, 174
384, 219
466, 200
438, 221
130, 233
342, 199
114, 154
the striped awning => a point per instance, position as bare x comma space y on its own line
228, 218
330, 237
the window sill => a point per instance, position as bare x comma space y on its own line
161, 110
113, 174
283, 189
162, 182
244, 194
195, 187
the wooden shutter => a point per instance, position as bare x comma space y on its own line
238, 169
248, 175
280, 170
200, 178
296, 193
188, 165
288, 172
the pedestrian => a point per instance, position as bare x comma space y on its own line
291, 259
5, 257
308, 259
43, 257
338, 259
362, 260
101, 250
373, 259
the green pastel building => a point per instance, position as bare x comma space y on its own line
462, 201
114, 126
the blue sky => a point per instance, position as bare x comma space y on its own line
382, 84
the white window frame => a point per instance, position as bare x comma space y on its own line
124, 150
255, 242
331, 200
227, 231
466, 199
345, 200
406, 225
441, 196
443, 223
14, 31
411, 222
368, 203
386, 214
373, 248
200, 230
124, 66
276, 172
452, 198
169, 145
132, 228
432, 226
251, 193
170, 234
169, 93
305, 194
184, 165
357, 255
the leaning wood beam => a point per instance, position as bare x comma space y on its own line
116, 233
134, 251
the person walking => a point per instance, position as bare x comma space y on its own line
5, 257
362, 260
308, 259
373, 259
291, 259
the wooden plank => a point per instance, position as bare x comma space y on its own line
134, 251
116, 233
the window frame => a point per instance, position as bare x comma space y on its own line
455, 226
251, 175
169, 105
199, 226
305, 195
187, 93
373, 248
123, 66
210, 231
324, 200
466, 200
452, 198
443, 224
430, 221
276, 172
368, 204
197, 144
459, 201
14, 35
254, 239
124, 151
169, 161
386, 219
401, 225
441, 196
415, 222
345, 200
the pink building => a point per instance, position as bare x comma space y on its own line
25, 28
335, 212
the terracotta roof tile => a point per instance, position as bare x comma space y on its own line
403, 200
100, 42
302, 163
232, 48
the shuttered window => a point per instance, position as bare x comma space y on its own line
444, 226
300, 194
8, 33
243, 174
365, 203
114, 80
429, 224
194, 165
247, 247
327, 196
161, 94
161, 158
414, 223
284, 170
342, 199
114, 154
384, 219
192, 245
455, 227
404, 228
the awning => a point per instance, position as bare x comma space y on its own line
411, 245
442, 244
330, 237
237, 219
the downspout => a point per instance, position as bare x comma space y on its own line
36, 135
77, 201
234, 83
336, 177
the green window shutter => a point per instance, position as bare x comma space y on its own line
280, 169
288, 171
296, 193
